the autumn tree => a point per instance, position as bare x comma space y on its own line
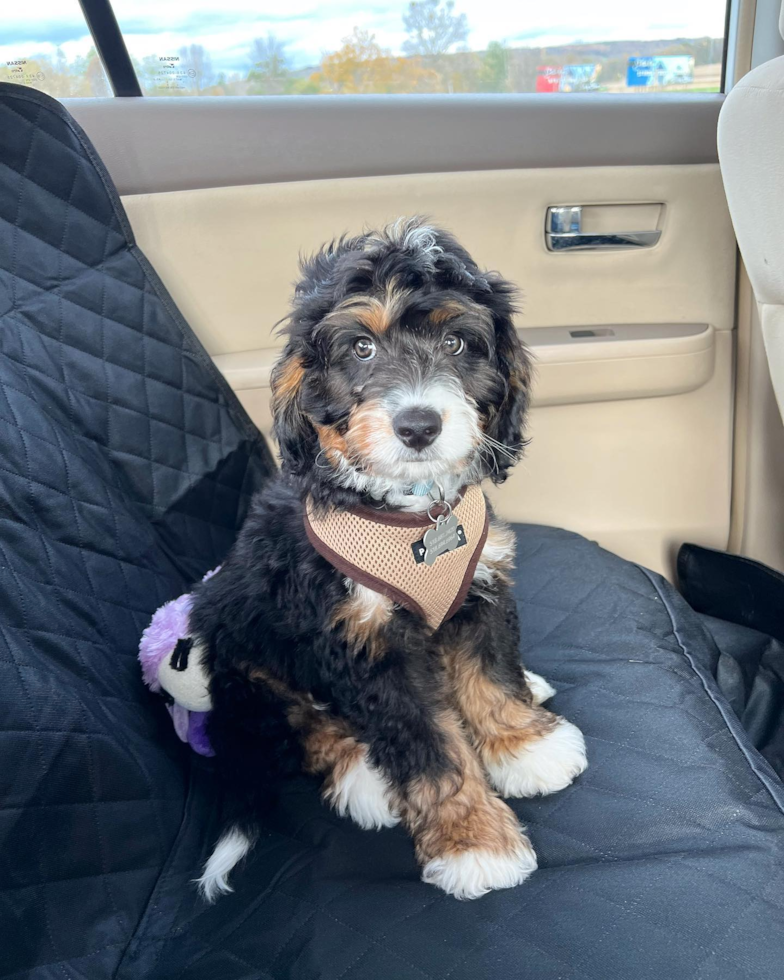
37, 72
362, 67
89, 71
84, 76
147, 71
61, 81
433, 28
270, 71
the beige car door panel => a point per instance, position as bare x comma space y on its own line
631, 426
573, 365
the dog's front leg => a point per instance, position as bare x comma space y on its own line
353, 786
467, 840
526, 750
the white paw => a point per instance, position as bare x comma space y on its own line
545, 766
364, 795
474, 873
539, 687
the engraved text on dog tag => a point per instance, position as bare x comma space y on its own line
445, 536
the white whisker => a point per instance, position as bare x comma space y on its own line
513, 455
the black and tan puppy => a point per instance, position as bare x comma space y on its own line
403, 382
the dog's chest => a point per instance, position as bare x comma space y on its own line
424, 566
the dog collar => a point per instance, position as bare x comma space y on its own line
419, 489
424, 563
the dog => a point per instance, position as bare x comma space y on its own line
403, 385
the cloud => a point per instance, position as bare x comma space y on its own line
34, 33
532, 35
200, 23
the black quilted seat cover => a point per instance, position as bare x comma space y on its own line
664, 862
125, 469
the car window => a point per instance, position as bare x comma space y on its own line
47, 45
350, 47
200, 47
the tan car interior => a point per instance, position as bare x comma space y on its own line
654, 419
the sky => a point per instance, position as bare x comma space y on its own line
226, 27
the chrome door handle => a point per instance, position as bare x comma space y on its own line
563, 230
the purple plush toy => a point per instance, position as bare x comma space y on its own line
172, 664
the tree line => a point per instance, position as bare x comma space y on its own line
435, 58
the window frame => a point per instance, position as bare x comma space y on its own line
110, 45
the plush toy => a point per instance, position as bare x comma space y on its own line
172, 666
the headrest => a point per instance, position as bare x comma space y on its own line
781, 20
751, 153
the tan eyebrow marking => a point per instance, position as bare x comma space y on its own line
374, 313
443, 314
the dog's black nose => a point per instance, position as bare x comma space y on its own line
417, 427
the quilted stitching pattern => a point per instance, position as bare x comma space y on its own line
663, 860
125, 470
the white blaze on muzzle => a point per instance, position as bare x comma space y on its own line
385, 553
456, 441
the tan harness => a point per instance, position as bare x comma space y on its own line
388, 552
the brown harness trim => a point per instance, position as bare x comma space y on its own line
469, 575
396, 518
384, 588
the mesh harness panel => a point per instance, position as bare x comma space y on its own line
375, 550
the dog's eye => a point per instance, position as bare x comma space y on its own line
453, 344
364, 349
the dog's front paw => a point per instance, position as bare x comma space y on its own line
541, 689
541, 766
362, 793
475, 872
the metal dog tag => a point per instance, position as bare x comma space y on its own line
446, 536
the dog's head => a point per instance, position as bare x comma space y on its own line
402, 366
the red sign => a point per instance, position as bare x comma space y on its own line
548, 78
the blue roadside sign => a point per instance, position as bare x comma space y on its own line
677, 69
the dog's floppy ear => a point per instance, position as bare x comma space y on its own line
514, 364
293, 430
